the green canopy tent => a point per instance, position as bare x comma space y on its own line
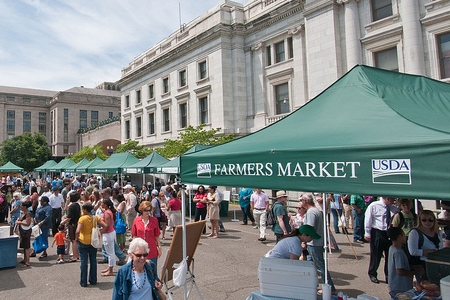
45, 166
147, 164
83, 168
114, 164
72, 169
61, 166
372, 132
10, 167
173, 166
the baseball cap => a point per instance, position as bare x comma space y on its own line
155, 193
128, 186
309, 230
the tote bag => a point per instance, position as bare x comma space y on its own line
40, 244
120, 225
96, 238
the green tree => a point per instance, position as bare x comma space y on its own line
191, 136
27, 150
89, 153
134, 148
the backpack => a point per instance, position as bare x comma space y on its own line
271, 219
402, 220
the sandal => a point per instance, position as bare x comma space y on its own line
22, 262
25, 265
107, 274
43, 256
71, 260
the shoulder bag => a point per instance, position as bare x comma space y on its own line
96, 238
120, 225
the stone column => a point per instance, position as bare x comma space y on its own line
412, 38
352, 32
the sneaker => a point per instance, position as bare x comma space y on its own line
60, 261
255, 227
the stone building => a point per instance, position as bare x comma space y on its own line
57, 115
243, 67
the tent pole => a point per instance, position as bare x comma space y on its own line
183, 224
325, 240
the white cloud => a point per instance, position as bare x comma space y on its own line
58, 44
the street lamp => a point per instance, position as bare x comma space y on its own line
110, 150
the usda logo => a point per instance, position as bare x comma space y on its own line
204, 170
391, 171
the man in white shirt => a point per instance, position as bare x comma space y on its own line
259, 204
377, 221
56, 200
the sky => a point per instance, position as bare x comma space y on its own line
59, 44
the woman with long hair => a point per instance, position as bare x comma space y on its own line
87, 252
424, 239
200, 201
213, 201
146, 227
109, 234
174, 206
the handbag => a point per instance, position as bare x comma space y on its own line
96, 239
120, 225
40, 244
160, 292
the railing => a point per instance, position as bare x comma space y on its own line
273, 119
268, 2
100, 124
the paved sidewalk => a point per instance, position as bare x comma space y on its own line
225, 268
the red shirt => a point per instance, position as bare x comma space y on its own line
201, 196
149, 234
111, 221
175, 204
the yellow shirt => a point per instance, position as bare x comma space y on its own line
86, 230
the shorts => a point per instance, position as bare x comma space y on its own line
120, 238
61, 250
71, 231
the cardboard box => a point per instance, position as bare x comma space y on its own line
294, 279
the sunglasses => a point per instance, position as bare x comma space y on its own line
427, 220
139, 255
147, 210
300, 208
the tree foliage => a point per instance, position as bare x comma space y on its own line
134, 148
27, 150
191, 136
88, 152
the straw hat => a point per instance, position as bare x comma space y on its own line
281, 194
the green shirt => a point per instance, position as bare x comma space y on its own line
358, 200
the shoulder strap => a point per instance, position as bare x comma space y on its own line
420, 237
402, 219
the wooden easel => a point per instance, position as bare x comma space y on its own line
175, 255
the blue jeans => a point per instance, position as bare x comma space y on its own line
117, 251
87, 252
337, 213
358, 225
246, 212
316, 253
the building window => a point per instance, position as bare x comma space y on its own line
138, 97
27, 121
166, 119
10, 123
83, 119
127, 101
203, 104
269, 55
26, 100
279, 52
10, 99
182, 78
52, 126
127, 130
43, 123
381, 9
66, 125
151, 91
290, 45
387, 59
65, 149
183, 115
165, 82
444, 54
151, 123
202, 70
94, 118
110, 114
42, 101
282, 99
139, 126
